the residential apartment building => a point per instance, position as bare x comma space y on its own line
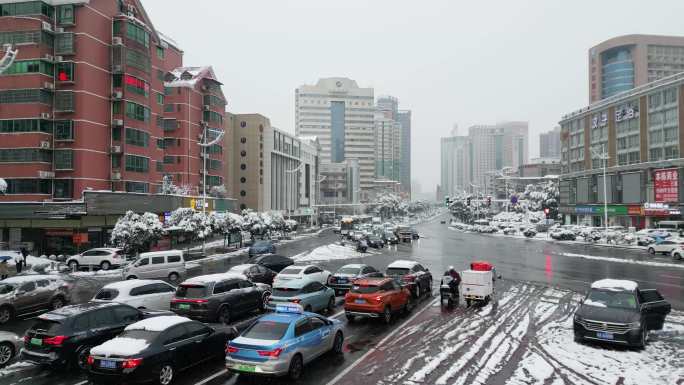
404, 118
97, 99
640, 133
549, 144
341, 115
624, 62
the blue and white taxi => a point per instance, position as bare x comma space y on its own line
281, 343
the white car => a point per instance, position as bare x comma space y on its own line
677, 253
666, 246
139, 293
309, 272
104, 257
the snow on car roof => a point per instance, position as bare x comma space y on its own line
615, 284
120, 346
158, 324
242, 267
126, 286
353, 266
28, 278
403, 264
211, 278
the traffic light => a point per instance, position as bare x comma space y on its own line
447, 200
468, 201
546, 212
489, 201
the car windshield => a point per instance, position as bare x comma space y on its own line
266, 330
361, 289
389, 235
395, 271
144, 335
261, 243
285, 292
611, 299
107, 294
291, 270
191, 291
6, 288
349, 270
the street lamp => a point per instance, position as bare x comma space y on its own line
603, 155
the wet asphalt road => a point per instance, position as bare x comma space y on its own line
547, 263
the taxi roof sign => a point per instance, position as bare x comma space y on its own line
291, 308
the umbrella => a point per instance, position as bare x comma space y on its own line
5, 258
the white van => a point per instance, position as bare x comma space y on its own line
671, 226
157, 264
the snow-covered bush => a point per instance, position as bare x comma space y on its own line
218, 191
226, 223
134, 232
169, 188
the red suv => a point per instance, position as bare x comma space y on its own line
376, 298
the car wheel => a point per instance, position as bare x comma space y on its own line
131, 277
82, 357
264, 301
5, 314
387, 315
224, 315
105, 265
350, 318
339, 342
409, 306
331, 305
166, 374
174, 277
56, 303
651, 250
73, 265
296, 368
677, 256
6, 353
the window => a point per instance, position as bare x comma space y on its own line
116, 133
64, 130
175, 334
26, 8
30, 66
137, 163
138, 60
64, 43
18, 155
160, 75
243, 180
28, 287
316, 323
65, 72
214, 101
243, 153
160, 52
169, 159
173, 258
142, 290
138, 187
64, 159
212, 117
214, 164
28, 186
82, 323
214, 180
162, 288
302, 328
197, 329
169, 108
137, 111
160, 98
26, 37
243, 140
243, 166
65, 14
136, 85
138, 34
25, 96
25, 125
64, 101
137, 137
64, 188
126, 314
101, 318
157, 260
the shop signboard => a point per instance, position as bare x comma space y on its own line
79, 238
660, 210
666, 185
612, 210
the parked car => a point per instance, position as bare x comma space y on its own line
375, 242
413, 274
255, 273
280, 344
104, 257
342, 280
262, 247
377, 298
647, 236
303, 272
390, 238
139, 293
312, 296
618, 311
665, 246
414, 234
272, 261
219, 297
10, 346
63, 337
168, 264
155, 351
25, 294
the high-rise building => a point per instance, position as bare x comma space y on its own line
340, 114
624, 62
549, 144
455, 165
389, 106
495, 147
387, 148
405, 164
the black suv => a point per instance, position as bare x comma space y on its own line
63, 337
219, 297
620, 312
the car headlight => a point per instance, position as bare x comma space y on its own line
634, 325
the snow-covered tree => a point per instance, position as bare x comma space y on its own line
291, 225
226, 223
169, 188
134, 232
3, 186
218, 191
193, 224
387, 204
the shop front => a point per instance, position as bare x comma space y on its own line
593, 215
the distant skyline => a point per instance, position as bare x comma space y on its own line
448, 62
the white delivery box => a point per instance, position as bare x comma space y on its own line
477, 284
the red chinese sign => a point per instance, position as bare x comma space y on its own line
667, 185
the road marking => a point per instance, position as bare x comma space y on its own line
372, 350
217, 374
337, 314
81, 383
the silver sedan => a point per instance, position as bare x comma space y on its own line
10, 345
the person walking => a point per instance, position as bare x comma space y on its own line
20, 260
4, 270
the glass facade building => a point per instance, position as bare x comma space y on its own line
617, 71
337, 132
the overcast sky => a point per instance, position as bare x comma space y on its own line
450, 62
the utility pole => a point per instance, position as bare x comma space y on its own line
603, 156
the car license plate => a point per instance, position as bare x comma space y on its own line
605, 336
342, 280
246, 368
359, 301
108, 364
184, 306
36, 341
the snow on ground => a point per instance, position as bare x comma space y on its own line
619, 260
524, 336
332, 252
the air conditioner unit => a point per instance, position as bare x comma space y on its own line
116, 149
59, 30
46, 174
44, 144
116, 175
199, 137
117, 40
117, 122
130, 14
49, 86
117, 95
47, 26
117, 68
49, 57
206, 107
44, 115
59, 58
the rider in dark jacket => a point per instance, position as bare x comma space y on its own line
455, 279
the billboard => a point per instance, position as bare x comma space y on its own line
666, 184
